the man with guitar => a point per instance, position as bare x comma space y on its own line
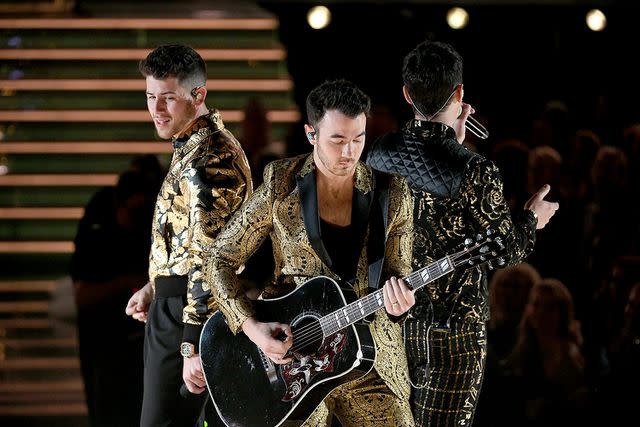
326, 215
457, 193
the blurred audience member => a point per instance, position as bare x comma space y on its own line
111, 259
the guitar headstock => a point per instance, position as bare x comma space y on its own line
480, 249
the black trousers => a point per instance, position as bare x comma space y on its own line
162, 404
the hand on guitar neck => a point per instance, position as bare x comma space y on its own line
398, 297
273, 338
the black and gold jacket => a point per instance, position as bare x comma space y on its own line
209, 178
457, 194
276, 210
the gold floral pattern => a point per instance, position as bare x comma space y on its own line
443, 223
275, 210
208, 180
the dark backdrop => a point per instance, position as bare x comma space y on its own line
517, 58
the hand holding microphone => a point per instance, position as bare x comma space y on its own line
465, 122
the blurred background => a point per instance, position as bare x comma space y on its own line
554, 81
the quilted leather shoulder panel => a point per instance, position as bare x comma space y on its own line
435, 165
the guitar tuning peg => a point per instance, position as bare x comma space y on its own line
483, 258
490, 265
498, 240
470, 262
490, 232
501, 261
468, 241
479, 237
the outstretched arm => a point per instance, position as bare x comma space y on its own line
542, 209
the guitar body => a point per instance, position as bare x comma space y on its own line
250, 390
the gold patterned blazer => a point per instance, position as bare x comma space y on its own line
209, 178
276, 210
457, 194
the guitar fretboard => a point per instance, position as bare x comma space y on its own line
340, 319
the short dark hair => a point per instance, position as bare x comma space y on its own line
175, 60
341, 95
430, 72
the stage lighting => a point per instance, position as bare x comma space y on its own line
457, 18
318, 17
596, 20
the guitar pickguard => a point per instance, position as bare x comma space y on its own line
299, 373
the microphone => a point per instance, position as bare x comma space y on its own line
476, 128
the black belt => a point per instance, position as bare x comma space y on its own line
171, 286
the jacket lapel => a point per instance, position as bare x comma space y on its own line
308, 191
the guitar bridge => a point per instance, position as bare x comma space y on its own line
269, 367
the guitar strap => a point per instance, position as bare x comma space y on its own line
378, 222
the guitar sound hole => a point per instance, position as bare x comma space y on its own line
307, 336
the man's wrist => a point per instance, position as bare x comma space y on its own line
188, 350
535, 215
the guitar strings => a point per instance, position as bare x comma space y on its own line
314, 331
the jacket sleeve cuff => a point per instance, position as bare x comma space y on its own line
191, 334
398, 319
532, 217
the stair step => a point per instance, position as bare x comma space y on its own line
65, 247
38, 213
53, 260
277, 54
68, 385
36, 69
24, 324
80, 163
27, 343
143, 23
61, 409
87, 147
21, 348
43, 396
27, 285
58, 180
111, 116
38, 229
128, 38
214, 85
124, 131
46, 196
130, 100
24, 306
41, 363
90, 147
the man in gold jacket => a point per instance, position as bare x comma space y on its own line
316, 209
208, 180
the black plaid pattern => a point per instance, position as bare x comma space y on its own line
453, 378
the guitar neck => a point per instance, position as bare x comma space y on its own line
371, 303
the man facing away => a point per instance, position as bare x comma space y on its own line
457, 194
208, 179
316, 209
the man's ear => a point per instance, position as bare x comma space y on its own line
311, 133
200, 95
407, 97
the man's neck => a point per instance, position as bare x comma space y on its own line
201, 111
334, 185
335, 194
